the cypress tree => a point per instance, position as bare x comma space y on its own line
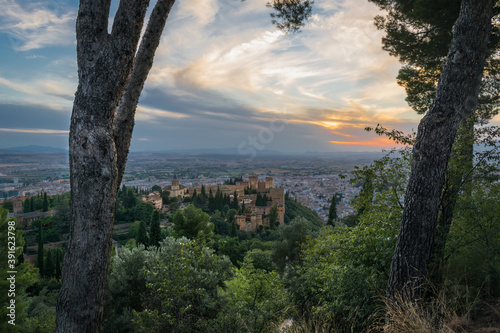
49, 265
211, 202
235, 203
39, 259
26, 205
155, 231
142, 234
332, 215
273, 216
58, 261
258, 201
45, 206
232, 230
32, 204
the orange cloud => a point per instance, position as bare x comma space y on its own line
382, 142
34, 131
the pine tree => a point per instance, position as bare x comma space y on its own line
40, 250
155, 231
332, 215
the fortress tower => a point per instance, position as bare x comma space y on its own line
253, 181
269, 182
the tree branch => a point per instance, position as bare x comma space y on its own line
91, 28
125, 113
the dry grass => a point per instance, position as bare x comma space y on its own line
447, 312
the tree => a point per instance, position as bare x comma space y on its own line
45, 206
191, 223
419, 33
230, 215
111, 73
274, 216
8, 205
332, 214
142, 235
457, 93
155, 231
256, 297
39, 257
62, 217
235, 203
286, 251
183, 280
27, 205
127, 285
59, 256
233, 229
49, 265
143, 211
165, 197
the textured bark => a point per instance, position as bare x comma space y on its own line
105, 63
457, 92
458, 177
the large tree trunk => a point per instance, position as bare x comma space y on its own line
456, 93
99, 146
458, 178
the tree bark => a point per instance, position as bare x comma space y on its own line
458, 178
457, 92
105, 63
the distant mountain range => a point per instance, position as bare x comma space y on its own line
33, 149
236, 152
214, 151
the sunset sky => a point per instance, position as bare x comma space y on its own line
223, 77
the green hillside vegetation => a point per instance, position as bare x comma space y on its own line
295, 209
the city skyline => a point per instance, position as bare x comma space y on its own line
223, 77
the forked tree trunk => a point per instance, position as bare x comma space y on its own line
457, 92
99, 141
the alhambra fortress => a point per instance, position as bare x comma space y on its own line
246, 193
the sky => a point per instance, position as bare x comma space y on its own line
223, 77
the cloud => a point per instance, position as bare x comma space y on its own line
53, 91
223, 72
203, 11
37, 25
145, 113
33, 131
375, 142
